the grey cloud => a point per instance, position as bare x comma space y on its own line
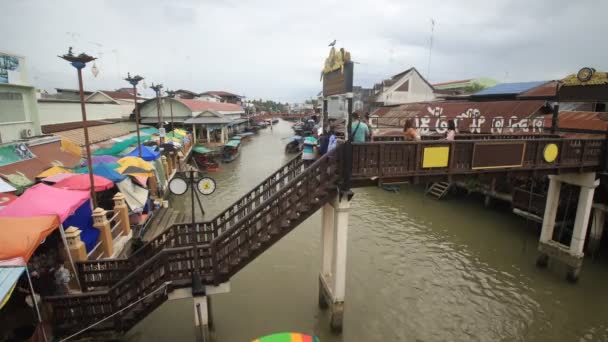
275, 49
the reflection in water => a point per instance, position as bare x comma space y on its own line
418, 270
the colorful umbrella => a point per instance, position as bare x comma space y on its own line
287, 337
82, 182
52, 171
135, 161
57, 178
102, 159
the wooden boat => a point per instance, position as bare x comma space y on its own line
245, 136
205, 158
294, 145
231, 150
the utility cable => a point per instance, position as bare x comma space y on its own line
117, 312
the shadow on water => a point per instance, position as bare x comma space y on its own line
418, 270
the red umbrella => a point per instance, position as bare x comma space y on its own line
82, 182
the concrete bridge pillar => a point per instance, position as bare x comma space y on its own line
332, 278
571, 255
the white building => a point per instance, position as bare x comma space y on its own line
100, 105
406, 87
18, 111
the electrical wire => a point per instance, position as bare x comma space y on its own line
117, 312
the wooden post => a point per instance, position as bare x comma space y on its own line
166, 166
120, 207
153, 185
100, 221
77, 248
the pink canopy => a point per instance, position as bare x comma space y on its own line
82, 182
44, 200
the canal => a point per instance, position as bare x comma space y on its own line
418, 270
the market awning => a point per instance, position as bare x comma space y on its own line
233, 143
135, 166
201, 149
8, 281
6, 187
52, 171
20, 236
100, 159
45, 200
83, 182
104, 170
147, 153
135, 196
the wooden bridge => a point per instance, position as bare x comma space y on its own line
217, 249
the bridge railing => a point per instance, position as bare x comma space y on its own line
105, 273
442, 157
236, 246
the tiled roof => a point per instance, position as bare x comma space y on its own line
199, 106
99, 133
509, 88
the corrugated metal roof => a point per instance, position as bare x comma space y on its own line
99, 133
547, 90
66, 126
47, 155
448, 110
199, 105
580, 120
509, 88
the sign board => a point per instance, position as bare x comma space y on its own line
10, 69
498, 155
339, 81
162, 132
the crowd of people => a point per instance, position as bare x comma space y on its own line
322, 140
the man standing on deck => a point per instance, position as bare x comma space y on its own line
359, 130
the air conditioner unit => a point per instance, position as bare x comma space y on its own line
26, 133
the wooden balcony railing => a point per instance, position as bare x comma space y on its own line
405, 159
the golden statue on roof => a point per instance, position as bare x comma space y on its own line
335, 60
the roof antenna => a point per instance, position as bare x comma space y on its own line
428, 68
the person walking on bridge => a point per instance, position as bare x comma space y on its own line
409, 132
359, 130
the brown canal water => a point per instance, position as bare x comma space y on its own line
418, 270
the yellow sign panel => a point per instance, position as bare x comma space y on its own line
435, 157
550, 153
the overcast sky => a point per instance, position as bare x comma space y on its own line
274, 49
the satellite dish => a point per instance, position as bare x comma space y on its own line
178, 186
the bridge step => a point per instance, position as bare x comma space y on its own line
439, 189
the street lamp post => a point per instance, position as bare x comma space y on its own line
171, 95
79, 62
157, 88
133, 81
